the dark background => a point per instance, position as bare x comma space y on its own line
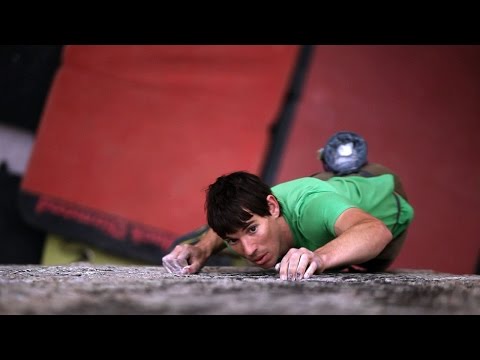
26, 74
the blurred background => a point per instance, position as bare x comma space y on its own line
106, 150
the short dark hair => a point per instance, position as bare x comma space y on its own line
233, 199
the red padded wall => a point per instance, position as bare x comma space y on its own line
139, 131
419, 109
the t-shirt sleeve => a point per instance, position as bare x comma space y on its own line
320, 212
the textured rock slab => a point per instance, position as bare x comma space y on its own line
103, 289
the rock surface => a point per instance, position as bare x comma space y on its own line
83, 288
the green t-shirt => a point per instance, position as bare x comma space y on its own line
312, 206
